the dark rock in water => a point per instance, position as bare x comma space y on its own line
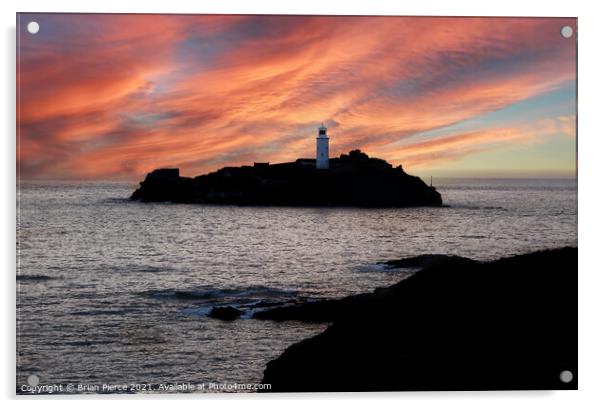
225, 313
459, 325
351, 180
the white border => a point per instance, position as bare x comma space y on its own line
590, 135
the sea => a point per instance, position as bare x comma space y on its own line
115, 293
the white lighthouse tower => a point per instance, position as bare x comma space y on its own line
322, 149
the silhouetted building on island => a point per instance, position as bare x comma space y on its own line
322, 149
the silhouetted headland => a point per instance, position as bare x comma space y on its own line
351, 180
457, 324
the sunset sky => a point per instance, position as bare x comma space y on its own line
115, 96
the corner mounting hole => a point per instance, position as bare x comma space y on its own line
566, 376
566, 31
33, 27
33, 380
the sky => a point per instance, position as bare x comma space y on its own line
112, 97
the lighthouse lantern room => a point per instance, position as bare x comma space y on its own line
322, 149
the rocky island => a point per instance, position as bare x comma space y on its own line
353, 179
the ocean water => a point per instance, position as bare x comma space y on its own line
117, 292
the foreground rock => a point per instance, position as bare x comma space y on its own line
352, 180
456, 325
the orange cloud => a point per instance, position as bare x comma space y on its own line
457, 146
114, 96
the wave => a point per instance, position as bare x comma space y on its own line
247, 309
383, 267
148, 269
134, 268
79, 343
201, 300
101, 312
34, 278
477, 207
115, 200
376, 267
214, 293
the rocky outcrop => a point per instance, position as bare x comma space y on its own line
352, 180
225, 313
455, 325
165, 185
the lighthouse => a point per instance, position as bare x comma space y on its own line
322, 149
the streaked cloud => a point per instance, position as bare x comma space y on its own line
114, 96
